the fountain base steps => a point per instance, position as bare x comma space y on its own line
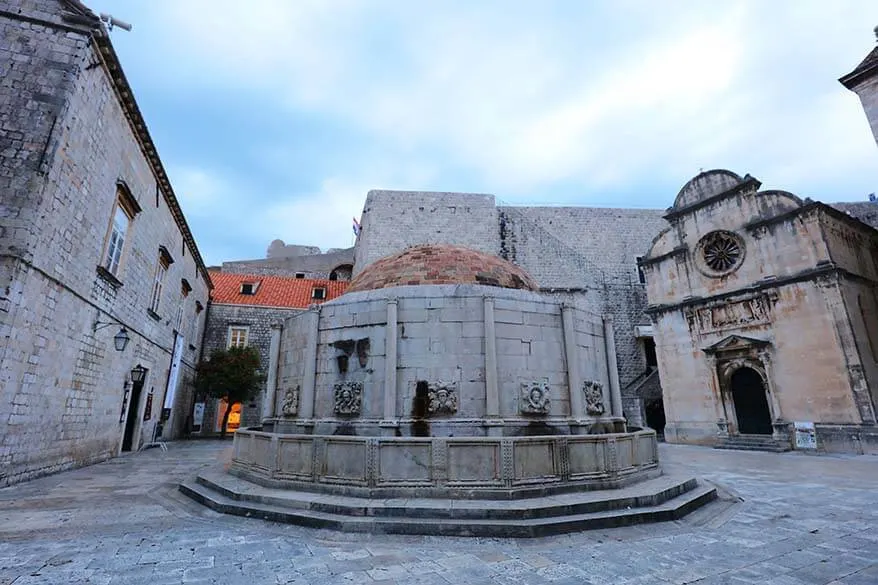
655, 500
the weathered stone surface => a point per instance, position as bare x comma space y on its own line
795, 308
583, 255
120, 524
67, 142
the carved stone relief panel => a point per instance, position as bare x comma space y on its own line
535, 397
442, 398
594, 397
753, 311
348, 398
290, 405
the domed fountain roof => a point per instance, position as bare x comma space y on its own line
441, 264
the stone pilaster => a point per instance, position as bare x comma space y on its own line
309, 379
492, 387
268, 404
574, 376
390, 363
615, 391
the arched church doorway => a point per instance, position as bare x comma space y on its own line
751, 403
654, 410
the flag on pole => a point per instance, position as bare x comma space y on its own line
356, 227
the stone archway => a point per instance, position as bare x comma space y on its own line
748, 394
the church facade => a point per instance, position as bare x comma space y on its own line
766, 319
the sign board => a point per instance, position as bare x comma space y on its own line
147, 412
806, 435
177, 357
197, 416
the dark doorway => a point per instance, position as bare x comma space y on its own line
654, 409
131, 418
649, 350
751, 403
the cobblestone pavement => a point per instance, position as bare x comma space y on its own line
788, 519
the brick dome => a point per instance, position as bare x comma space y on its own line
441, 264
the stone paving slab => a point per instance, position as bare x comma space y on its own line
784, 519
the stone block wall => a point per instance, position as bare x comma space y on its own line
294, 341
258, 321
66, 144
318, 265
394, 220
441, 341
585, 253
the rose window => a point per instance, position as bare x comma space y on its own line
722, 251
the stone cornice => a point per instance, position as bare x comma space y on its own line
83, 21
821, 270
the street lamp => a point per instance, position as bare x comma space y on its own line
138, 374
120, 340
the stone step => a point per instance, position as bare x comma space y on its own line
753, 443
647, 493
496, 518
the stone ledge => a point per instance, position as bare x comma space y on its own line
500, 467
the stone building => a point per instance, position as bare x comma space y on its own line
94, 252
298, 261
766, 319
586, 254
244, 310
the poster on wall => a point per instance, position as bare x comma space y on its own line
175, 372
147, 412
806, 435
197, 417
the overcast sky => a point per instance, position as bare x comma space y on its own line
275, 117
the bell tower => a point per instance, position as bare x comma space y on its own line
863, 81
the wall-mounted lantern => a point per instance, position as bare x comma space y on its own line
120, 340
138, 374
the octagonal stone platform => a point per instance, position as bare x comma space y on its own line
466, 486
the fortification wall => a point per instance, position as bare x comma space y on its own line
394, 220
311, 265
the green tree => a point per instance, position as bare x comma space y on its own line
231, 374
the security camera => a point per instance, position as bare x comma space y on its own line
112, 21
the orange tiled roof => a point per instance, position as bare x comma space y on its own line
272, 291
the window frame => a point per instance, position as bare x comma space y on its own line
322, 296
158, 283
252, 287
229, 336
126, 204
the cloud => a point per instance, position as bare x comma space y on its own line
554, 101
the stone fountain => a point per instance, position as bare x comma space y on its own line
442, 394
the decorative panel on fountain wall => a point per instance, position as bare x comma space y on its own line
296, 456
345, 460
534, 460
473, 462
587, 457
410, 463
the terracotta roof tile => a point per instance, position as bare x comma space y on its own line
272, 291
441, 264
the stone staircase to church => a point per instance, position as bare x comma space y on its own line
659, 499
753, 443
